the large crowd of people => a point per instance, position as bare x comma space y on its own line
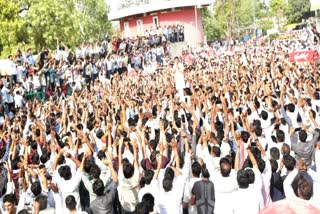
122, 126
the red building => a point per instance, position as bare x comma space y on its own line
137, 16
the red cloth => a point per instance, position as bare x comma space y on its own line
304, 56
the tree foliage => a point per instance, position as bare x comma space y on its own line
46, 23
264, 25
298, 10
212, 28
231, 15
11, 26
277, 7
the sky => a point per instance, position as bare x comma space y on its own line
112, 4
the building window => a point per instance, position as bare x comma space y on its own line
140, 27
155, 21
126, 29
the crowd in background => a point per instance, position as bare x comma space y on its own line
215, 130
174, 33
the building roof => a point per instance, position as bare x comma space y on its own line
154, 5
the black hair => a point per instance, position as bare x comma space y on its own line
71, 202
299, 118
285, 149
148, 200
90, 126
243, 179
275, 153
35, 159
33, 145
98, 187
264, 115
291, 107
61, 160
101, 155
313, 113
245, 136
99, 134
283, 121
87, 165
251, 175
280, 135
216, 150
48, 177
36, 188
196, 169
153, 144
218, 125
274, 165
128, 170
44, 157
148, 175
38, 132
167, 184
79, 126
303, 136
141, 208
9, 198
305, 189
258, 131
225, 169
256, 123
289, 162
42, 200
169, 173
204, 171
65, 172
95, 171
261, 164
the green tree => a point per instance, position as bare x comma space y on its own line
93, 18
225, 14
248, 12
52, 21
298, 10
232, 15
264, 25
70, 21
46, 23
212, 28
12, 27
277, 6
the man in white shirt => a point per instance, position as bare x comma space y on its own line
20, 70
67, 182
225, 186
72, 205
179, 77
171, 196
247, 199
196, 171
18, 100
128, 180
150, 187
13, 71
36, 80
